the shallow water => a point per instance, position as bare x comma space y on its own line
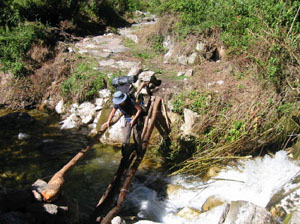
47, 150
22, 162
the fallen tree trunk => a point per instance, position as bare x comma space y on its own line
56, 183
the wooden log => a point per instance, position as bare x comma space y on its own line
56, 183
132, 170
107, 198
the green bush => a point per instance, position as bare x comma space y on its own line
14, 43
83, 83
197, 101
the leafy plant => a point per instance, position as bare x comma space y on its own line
15, 43
83, 83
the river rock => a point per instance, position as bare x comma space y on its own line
147, 222
243, 212
211, 202
37, 188
189, 213
190, 118
71, 122
118, 220
23, 136
214, 216
173, 191
104, 93
59, 108
86, 112
114, 135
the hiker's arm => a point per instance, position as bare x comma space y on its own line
111, 115
138, 112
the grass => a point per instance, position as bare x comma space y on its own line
84, 81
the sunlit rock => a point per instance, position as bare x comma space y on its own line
59, 108
146, 222
212, 172
74, 108
213, 216
168, 56
286, 200
173, 191
189, 213
86, 111
71, 122
23, 136
114, 133
211, 202
190, 118
200, 46
182, 59
243, 212
118, 220
193, 59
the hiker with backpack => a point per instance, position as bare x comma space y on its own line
132, 113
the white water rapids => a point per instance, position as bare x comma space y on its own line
254, 180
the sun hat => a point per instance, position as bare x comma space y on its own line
119, 97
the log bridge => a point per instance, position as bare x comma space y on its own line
110, 202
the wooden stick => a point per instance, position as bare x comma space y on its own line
55, 184
125, 188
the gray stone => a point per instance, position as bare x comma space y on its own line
86, 111
200, 46
190, 118
182, 59
59, 108
243, 212
23, 136
71, 122
118, 220
192, 59
215, 215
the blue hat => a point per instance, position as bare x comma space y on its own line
119, 97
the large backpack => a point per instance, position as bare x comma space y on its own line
124, 84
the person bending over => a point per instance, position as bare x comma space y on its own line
132, 113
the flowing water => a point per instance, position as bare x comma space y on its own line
153, 196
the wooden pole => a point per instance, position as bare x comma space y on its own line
132, 170
56, 183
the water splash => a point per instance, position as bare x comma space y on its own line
255, 180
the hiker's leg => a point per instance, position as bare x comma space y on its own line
126, 131
137, 132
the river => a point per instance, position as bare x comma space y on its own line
48, 148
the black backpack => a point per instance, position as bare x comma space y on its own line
124, 84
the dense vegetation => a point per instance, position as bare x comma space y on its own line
264, 35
